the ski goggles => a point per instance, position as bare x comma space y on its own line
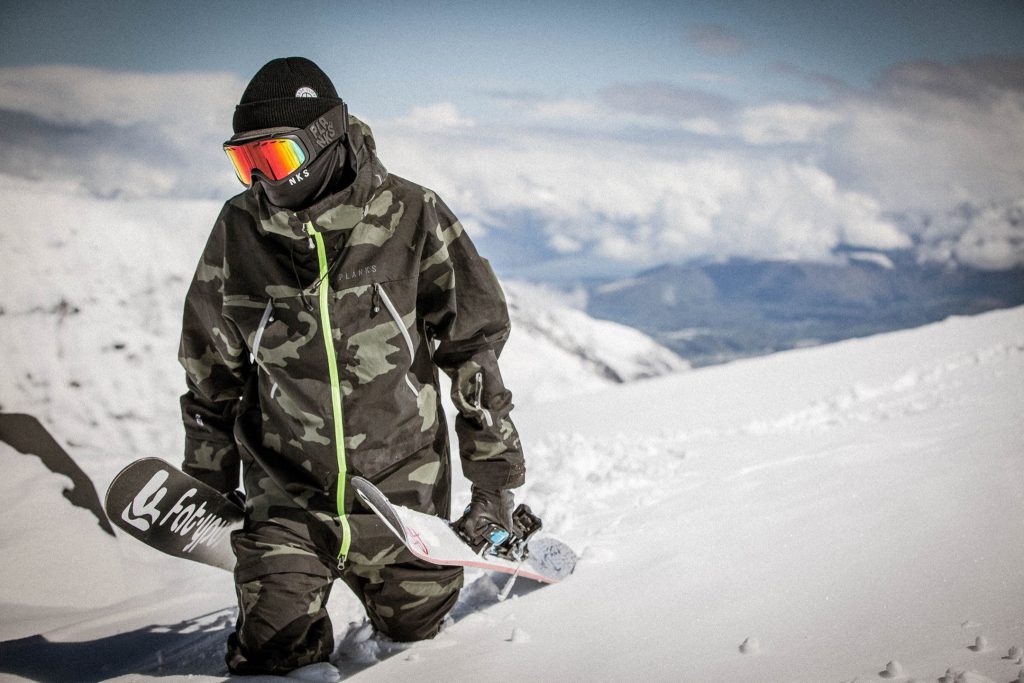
277, 153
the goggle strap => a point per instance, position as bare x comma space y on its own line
324, 130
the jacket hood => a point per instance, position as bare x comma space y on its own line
338, 211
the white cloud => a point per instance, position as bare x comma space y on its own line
689, 176
703, 126
989, 238
618, 202
564, 244
933, 135
925, 151
784, 123
995, 239
83, 95
120, 133
929, 136
568, 109
434, 116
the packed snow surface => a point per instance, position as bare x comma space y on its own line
852, 512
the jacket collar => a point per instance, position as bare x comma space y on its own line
339, 211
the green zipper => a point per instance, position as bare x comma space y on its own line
332, 368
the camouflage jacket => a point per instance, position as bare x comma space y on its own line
311, 341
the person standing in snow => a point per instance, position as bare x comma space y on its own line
328, 295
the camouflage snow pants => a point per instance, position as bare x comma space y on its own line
283, 582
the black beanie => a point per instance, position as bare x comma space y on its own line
289, 91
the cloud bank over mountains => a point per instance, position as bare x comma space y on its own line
118, 134
929, 157
634, 174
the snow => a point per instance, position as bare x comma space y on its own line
29, 537
556, 351
850, 512
838, 513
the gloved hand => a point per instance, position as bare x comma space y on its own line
486, 509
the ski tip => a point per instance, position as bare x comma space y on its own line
378, 503
364, 488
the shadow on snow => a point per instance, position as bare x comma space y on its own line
195, 646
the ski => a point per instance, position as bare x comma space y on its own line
173, 512
431, 539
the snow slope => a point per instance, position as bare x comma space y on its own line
841, 507
818, 515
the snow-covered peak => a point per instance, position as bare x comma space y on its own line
556, 350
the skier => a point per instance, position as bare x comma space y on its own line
327, 296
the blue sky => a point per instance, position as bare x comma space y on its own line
388, 56
573, 139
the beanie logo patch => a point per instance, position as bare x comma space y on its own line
305, 91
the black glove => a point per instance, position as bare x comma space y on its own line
487, 509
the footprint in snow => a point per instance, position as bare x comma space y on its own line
980, 644
519, 636
1016, 654
597, 554
892, 670
321, 672
750, 646
967, 677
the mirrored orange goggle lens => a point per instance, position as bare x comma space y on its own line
276, 158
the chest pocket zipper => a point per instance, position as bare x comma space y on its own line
382, 295
268, 315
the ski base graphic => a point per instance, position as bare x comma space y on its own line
173, 512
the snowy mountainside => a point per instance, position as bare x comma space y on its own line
556, 350
843, 513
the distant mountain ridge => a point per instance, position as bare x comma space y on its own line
715, 312
556, 350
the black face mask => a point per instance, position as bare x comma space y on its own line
303, 189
